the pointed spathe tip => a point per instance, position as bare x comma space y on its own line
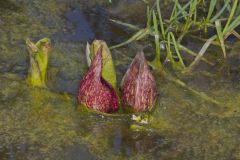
138, 85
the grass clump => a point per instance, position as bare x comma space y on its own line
186, 19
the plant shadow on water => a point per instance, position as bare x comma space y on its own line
82, 30
45, 124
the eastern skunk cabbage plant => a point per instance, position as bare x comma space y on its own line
38, 55
108, 69
138, 88
95, 92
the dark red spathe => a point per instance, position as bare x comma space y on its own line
94, 92
138, 86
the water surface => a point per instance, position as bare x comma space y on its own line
47, 124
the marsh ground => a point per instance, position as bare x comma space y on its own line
45, 124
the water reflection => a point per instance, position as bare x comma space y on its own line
115, 138
81, 29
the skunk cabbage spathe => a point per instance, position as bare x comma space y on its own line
138, 88
94, 91
38, 55
108, 68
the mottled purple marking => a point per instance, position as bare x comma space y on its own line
138, 86
94, 91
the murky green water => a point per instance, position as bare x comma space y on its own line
46, 124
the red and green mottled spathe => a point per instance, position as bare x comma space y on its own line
96, 93
138, 86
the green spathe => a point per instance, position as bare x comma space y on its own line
38, 55
108, 70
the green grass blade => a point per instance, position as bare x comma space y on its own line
181, 10
178, 65
220, 12
160, 19
190, 52
238, 10
156, 35
220, 36
174, 10
133, 27
211, 9
149, 17
169, 51
210, 12
177, 50
233, 25
133, 38
200, 54
228, 5
231, 15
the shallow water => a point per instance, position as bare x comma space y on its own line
48, 124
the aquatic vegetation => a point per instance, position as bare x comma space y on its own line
94, 91
38, 55
40, 124
138, 85
108, 68
184, 20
